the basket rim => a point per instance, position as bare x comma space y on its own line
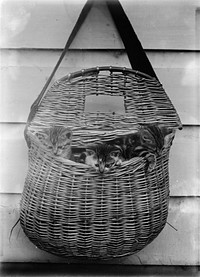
97, 69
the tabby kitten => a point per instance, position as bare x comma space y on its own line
124, 144
150, 138
57, 140
169, 135
102, 157
148, 142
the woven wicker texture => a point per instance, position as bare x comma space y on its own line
69, 209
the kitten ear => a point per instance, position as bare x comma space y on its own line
145, 134
166, 130
43, 135
89, 152
82, 157
68, 134
169, 139
168, 135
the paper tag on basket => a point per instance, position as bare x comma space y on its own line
104, 104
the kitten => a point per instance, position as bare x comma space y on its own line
57, 140
155, 139
149, 139
169, 135
148, 142
102, 157
124, 144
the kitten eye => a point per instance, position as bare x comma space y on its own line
97, 165
60, 147
131, 140
147, 139
115, 153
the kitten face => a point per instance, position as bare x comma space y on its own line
123, 144
57, 140
102, 157
126, 145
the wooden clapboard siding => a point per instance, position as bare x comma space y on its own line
172, 25
184, 178
24, 73
32, 36
169, 248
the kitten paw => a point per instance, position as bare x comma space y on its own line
151, 162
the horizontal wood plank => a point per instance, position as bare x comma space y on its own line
47, 24
171, 247
183, 165
24, 73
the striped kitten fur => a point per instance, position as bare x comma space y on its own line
57, 140
148, 142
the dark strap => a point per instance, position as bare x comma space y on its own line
134, 49
135, 52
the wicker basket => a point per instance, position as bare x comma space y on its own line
69, 209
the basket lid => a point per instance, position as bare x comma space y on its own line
144, 101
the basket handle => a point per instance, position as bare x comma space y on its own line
135, 52
75, 30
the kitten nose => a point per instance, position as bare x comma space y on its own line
55, 150
124, 150
101, 167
